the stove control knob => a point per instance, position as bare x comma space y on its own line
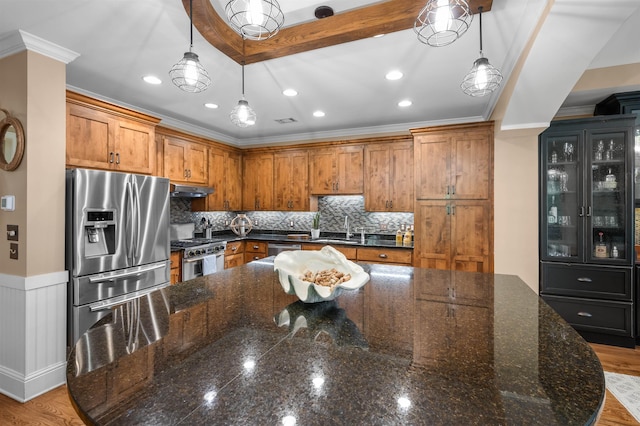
198, 251
191, 253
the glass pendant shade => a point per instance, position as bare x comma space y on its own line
189, 75
483, 78
441, 22
242, 115
255, 19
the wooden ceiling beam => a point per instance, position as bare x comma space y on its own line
380, 18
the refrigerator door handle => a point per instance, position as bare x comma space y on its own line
136, 220
119, 275
101, 306
129, 231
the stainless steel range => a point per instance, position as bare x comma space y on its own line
200, 256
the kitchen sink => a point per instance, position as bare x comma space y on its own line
334, 241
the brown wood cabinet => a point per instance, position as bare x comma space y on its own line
185, 161
453, 218
108, 137
254, 250
176, 267
385, 255
454, 162
225, 177
350, 253
337, 170
453, 235
291, 181
389, 183
234, 254
257, 188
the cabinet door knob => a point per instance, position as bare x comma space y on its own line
382, 256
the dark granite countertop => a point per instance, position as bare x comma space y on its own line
413, 346
371, 240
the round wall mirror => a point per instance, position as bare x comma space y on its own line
11, 142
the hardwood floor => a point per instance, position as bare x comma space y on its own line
54, 408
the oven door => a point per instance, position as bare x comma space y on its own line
194, 267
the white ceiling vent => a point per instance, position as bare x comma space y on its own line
286, 120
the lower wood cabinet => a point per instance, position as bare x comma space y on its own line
176, 267
234, 254
385, 255
455, 235
254, 250
350, 253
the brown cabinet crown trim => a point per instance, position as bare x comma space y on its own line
79, 99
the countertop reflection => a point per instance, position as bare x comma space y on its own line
413, 346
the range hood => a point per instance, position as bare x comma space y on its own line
187, 191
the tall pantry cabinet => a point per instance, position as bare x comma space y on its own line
587, 224
453, 169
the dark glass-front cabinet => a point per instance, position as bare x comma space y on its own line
587, 225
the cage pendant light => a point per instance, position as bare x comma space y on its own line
255, 19
242, 115
483, 78
441, 22
188, 74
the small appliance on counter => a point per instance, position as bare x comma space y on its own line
241, 225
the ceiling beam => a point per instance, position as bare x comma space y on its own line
380, 18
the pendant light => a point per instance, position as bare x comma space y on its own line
188, 74
441, 22
255, 19
242, 115
483, 77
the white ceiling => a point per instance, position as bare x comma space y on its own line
119, 41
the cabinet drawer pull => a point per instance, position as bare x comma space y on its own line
447, 193
111, 157
585, 280
256, 247
584, 314
234, 248
117, 158
382, 256
256, 257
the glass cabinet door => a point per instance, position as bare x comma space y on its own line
607, 197
562, 186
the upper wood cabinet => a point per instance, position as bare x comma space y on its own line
108, 137
454, 162
291, 181
185, 161
389, 171
337, 170
257, 187
225, 177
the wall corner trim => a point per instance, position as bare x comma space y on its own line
33, 282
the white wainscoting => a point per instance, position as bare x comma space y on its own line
33, 333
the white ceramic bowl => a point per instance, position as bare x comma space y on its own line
290, 265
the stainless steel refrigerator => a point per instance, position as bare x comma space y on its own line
117, 242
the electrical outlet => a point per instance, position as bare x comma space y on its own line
13, 251
12, 232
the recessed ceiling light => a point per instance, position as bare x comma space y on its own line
318, 113
151, 79
394, 75
211, 105
404, 103
289, 92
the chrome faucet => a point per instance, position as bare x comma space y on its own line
362, 230
346, 227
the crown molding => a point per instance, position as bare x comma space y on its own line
18, 41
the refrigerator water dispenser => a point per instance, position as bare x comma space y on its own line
100, 233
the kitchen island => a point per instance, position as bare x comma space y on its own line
413, 346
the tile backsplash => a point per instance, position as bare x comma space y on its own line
333, 210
